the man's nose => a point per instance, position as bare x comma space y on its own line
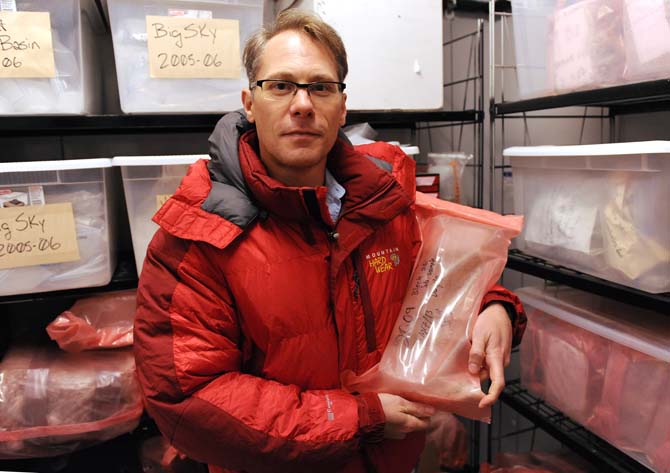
301, 103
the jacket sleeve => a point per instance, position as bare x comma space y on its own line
188, 349
514, 309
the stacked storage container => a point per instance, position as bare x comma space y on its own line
605, 364
598, 209
186, 78
57, 225
69, 85
563, 46
147, 182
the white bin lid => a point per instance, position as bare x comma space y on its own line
55, 165
410, 150
639, 329
157, 160
608, 149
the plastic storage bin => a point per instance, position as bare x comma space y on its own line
74, 89
86, 184
139, 92
603, 363
564, 46
599, 209
147, 182
646, 33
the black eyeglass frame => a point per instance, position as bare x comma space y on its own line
306, 86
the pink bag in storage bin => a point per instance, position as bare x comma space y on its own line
632, 393
101, 321
53, 403
573, 365
463, 254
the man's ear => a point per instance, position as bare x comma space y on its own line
247, 103
343, 116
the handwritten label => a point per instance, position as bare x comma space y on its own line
41, 234
26, 50
161, 199
188, 48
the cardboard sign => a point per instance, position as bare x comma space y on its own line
37, 234
193, 48
161, 199
26, 50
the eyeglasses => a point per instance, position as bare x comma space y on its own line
285, 89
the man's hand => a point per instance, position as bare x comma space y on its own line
403, 416
491, 347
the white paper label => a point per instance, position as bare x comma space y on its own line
563, 220
7, 5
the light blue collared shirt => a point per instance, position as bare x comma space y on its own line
334, 196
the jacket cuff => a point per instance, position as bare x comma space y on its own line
371, 418
509, 308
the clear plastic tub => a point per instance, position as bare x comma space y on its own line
147, 182
564, 46
138, 92
646, 34
86, 184
603, 363
76, 88
598, 209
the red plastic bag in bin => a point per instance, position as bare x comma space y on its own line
426, 360
101, 321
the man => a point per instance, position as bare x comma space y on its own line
255, 294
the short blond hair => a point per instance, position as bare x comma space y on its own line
301, 21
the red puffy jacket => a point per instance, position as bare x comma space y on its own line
252, 301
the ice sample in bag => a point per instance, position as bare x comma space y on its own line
426, 360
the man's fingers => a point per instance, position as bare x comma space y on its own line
476, 359
497, 381
414, 424
417, 409
483, 375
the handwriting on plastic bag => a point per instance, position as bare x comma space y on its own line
26, 49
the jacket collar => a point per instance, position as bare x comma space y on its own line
372, 194
373, 197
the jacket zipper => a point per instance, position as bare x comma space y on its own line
361, 288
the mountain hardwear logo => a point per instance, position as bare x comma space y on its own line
383, 260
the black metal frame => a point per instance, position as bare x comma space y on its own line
630, 98
591, 447
541, 268
186, 123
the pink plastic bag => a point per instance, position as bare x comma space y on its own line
463, 254
101, 321
53, 403
634, 385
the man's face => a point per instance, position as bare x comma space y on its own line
296, 133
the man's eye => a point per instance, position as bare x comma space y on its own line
280, 86
318, 87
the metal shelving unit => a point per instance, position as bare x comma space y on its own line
597, 451
186, 123
532, 265
644, 97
